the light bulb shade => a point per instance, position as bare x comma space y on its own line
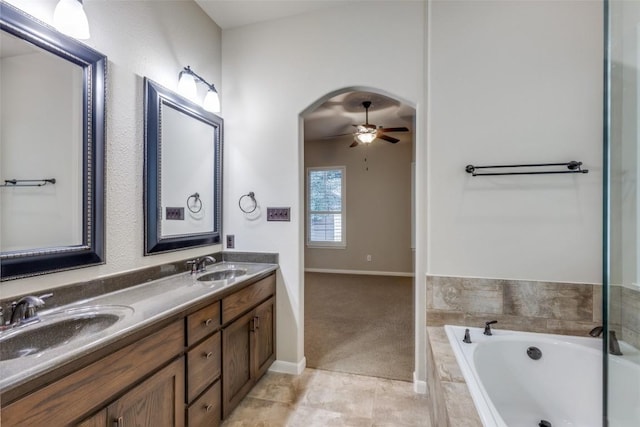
69, 18
211, 101
187, 86
367, 136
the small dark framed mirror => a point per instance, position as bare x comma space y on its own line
182, 171
51, 149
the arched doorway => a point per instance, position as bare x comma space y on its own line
359, 247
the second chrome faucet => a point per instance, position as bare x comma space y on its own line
199, 265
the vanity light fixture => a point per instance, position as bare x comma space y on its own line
187, 87
69, 18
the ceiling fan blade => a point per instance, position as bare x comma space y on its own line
400, 129
389, 138
353, 144
336, 136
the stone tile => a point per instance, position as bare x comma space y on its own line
569, 327
351, 395
467, 294
460, 407
253, 412
630, 318
312, 417
597, 304
278, 387
441, 318
397, 405
564, 301
631, 337
615, 304
446, 365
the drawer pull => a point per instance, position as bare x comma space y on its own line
208, 408
119, 422
208, 355
208, 322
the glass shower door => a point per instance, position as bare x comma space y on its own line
622, 214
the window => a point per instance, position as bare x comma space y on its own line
325, 206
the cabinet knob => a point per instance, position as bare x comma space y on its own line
208, 322
208, 355
208, 408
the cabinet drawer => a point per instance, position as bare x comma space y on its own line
206, 410
247, 298
202, 323
203, 365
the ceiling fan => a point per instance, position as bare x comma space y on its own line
367, 132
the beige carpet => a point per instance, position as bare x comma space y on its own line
359, 324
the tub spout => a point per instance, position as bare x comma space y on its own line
614, 346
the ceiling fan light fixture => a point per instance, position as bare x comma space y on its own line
366, 137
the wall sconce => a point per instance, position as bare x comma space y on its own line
187, 87
69, 18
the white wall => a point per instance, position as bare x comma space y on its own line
515, 82
272, 73
140, 38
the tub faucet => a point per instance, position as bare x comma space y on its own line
467, 336
25, 310
614, 346
487, 327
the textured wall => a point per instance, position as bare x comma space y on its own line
140, 38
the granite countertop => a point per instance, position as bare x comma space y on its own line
138, 306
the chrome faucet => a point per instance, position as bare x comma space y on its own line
614, 346
25, 310
199, 265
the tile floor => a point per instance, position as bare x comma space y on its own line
323, 398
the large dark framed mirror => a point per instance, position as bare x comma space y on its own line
183, 172
52, 127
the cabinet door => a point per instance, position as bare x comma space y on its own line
156, 402
264, 346
237, 368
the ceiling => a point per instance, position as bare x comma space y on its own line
236, 13
337, 115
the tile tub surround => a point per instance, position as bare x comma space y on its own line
83, 290
557, 308
629, 313
450, 401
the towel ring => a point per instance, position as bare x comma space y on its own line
252, 196
196, 202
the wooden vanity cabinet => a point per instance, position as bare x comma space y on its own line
204, 363
188, 372
155, 402
248, 342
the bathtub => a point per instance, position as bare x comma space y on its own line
512, 387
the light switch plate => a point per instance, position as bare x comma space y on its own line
231, 241
278, 214
174, 214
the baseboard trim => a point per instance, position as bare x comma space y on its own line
291, 368
419, 386
362, 272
